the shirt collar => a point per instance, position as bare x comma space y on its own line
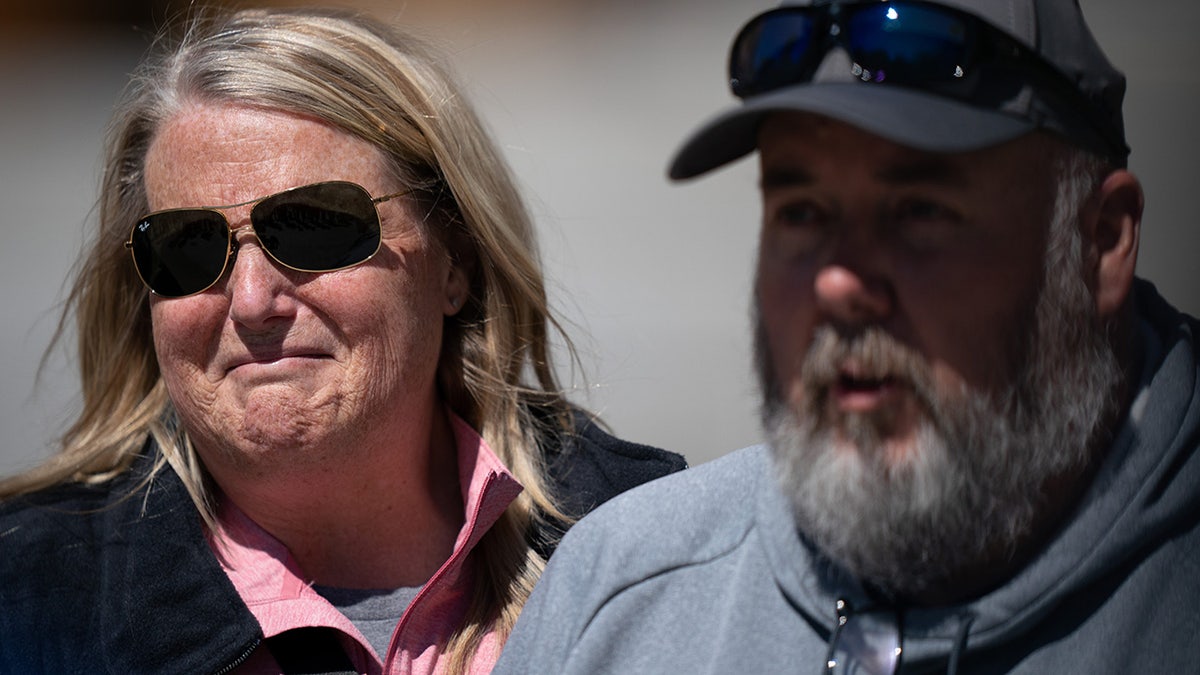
270, 582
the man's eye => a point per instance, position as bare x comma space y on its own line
798, 215
922, 210
923, 224
796, 228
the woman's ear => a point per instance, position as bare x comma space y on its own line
1111, 225
459, 272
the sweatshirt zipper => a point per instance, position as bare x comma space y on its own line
240, 659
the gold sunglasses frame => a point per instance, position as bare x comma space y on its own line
232, 245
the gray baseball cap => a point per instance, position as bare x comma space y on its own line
1083, 106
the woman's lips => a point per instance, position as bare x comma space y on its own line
276, 362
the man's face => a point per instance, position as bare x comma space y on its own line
910, 349
940, 252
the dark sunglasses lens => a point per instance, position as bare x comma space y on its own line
904, 43
180, 252
771, 51
320, 227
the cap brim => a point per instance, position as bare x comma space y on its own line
905, 116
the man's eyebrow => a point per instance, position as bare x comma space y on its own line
784, 177
924, 169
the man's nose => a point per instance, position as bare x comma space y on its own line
854, 286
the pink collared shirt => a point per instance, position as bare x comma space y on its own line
270, 583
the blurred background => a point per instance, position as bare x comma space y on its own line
588, 101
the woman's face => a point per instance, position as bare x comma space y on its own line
272, 367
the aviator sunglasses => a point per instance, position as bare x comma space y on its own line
312, 228
911, 43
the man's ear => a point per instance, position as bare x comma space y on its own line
1111, 225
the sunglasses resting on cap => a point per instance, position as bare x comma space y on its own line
925, 74
312, 228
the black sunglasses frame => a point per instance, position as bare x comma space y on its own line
289, 197
994, 64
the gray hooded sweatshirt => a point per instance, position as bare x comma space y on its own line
704, 572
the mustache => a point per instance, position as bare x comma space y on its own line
867, 355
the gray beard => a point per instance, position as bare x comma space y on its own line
972, 488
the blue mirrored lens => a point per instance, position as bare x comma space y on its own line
770, 52
906, 43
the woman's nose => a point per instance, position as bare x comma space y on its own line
258, 288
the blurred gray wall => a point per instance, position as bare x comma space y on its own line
588, 100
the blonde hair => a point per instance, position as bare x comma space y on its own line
380, 85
